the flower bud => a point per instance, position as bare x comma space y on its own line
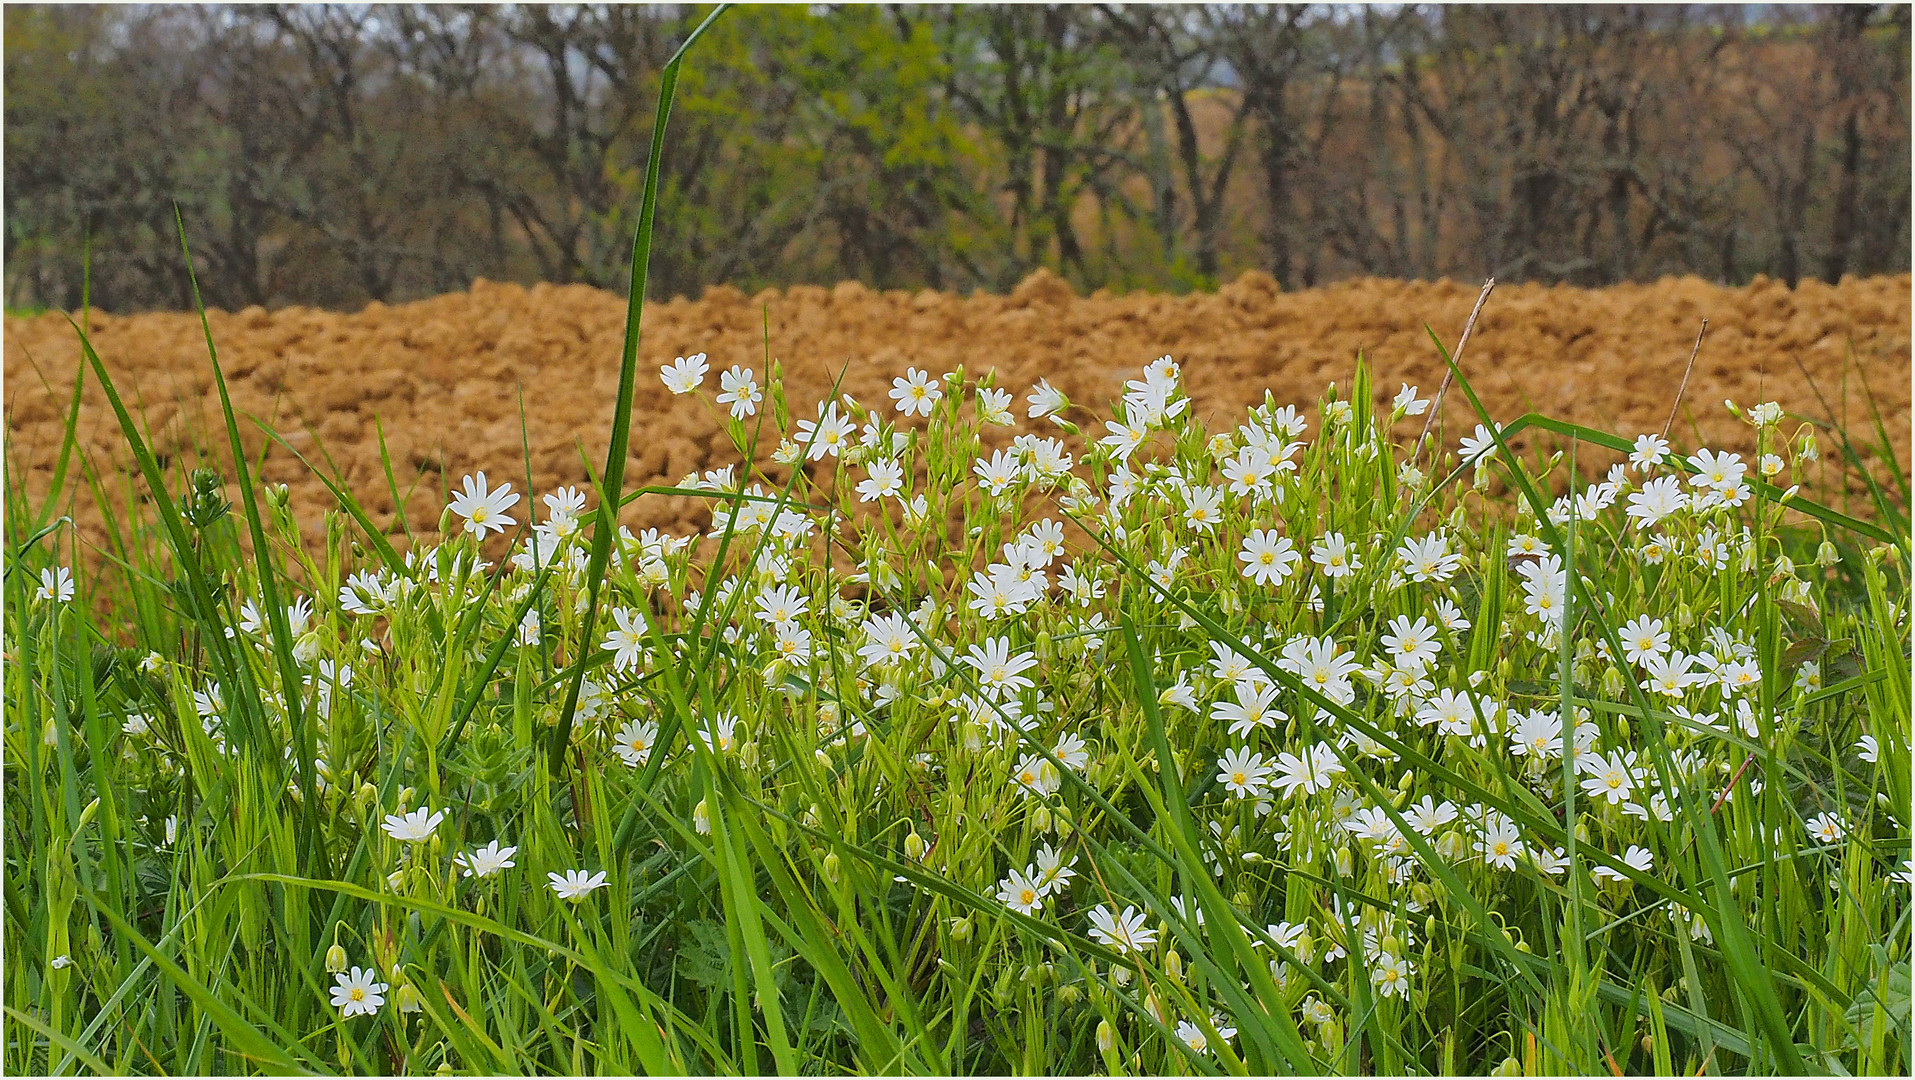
336, 958
409, 1001
833, 867
701, 820
961, 929
914, 845
1174, 965
1106, 1038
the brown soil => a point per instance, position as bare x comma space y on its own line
446, 376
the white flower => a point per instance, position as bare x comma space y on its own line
1070, 751
1429, 558
1332, 552
415, 827
484, 511
1243, 773
916, 394
684, 374
486, 861
1036, 775
1412, 645
1204, 508
1500, 844
1608, 777
1868, 749
1045, 400
60, 961
1267, 557
1636, 858
825, 435
739, 389
356, 994
1826, 828
1390, 976
575, 884
1643, 638
1192, 1036
887, 638
1476, 447
1720, 472
1125, 932
1658, 499
994, 406
1053, 870
1252, 709
1408, 403
1019, 893
627, 643
634, 742
56, 585
1311, 771
884, 476
1650, 450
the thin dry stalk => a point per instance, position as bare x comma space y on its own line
1436, 407
1676, 404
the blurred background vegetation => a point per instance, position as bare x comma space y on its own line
334, 154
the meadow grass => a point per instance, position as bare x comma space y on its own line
1139, 748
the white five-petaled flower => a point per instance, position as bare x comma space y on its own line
1477, 446
684, 374
56, 585
1643, 638
739, 389
1607, 777
627, 642
358, 993
634, 741
1413, 645
884, 476
1826, 828
1333, 554
916, 392
1311, 771
1267, 557
1019, 893
415, 827
484, 511
1242, 773
1408, 402
825, 435
1658, 499
1637, 858
888, 637
1649, 452
575, 884
486, 861
998, 671
1390, 976
1125, 932
1045, 400
1719, 472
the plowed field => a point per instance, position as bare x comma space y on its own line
452, 379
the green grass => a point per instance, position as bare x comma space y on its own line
813, 845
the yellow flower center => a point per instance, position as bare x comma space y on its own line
358, 994
479, 513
